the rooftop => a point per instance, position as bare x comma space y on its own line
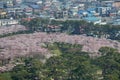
35, 6
91, 19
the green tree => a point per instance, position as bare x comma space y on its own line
109, 63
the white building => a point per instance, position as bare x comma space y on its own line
18, 1
4, 22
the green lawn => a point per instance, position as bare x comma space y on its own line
5, 76
56, 52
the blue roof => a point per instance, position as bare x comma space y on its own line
1, 7
91, 19
35, 6
89, 14
91, 9
81, 11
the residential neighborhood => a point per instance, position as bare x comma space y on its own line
97, 11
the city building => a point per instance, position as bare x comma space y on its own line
4, 22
